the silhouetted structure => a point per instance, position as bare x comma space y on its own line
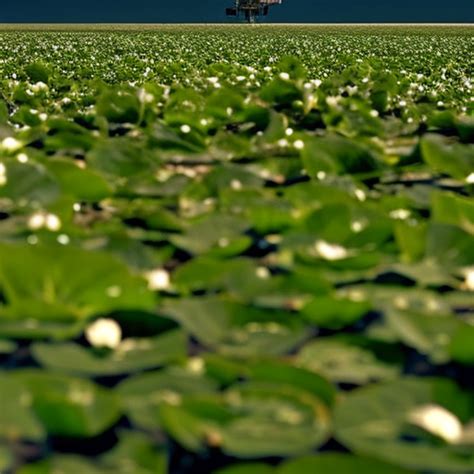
250, 10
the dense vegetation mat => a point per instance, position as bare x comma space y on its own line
237, 250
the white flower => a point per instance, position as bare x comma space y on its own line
321, 175
469, 275
360, 195
22, 158
3, 174
236, 184
223, 242
36, 221
330, 251
11, 144
332, 101
299, 144
39, 86
263, 273
144, 97
104, 333
158, 279
63, 239
285, 76
185, 128
470, 179
438, 421
32, 239
52, 222
196, 365
357, 226
401, 214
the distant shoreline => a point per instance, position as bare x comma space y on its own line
98, 24
151, 27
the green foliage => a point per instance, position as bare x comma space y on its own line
236, 250
377, 421
53, 283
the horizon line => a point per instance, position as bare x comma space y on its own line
223, 23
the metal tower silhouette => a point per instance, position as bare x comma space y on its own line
250, 10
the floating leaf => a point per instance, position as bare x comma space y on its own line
131, 355
374, 421
235, 328
68, 406
339, 464
343, 362
38, 283
143, 394
17, 420
335, 154
453, 159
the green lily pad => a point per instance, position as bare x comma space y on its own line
237, 329
137, 453
120, 159
17, 419
430, 334
84, 184
339, 464
143, 394
30, 182
453, 159
39, 284
252, 420
334, 313
6, 458
335, 154
210, 232
375, 421
130, 356
461, 346
343, 362
455, 210
64, 463
68, 406
7, 347
247, 468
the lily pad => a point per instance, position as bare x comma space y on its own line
68, 406
131, 355
339, 464
237, 329
375, 421
343, 362
252, 420
38, 283
17, 419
